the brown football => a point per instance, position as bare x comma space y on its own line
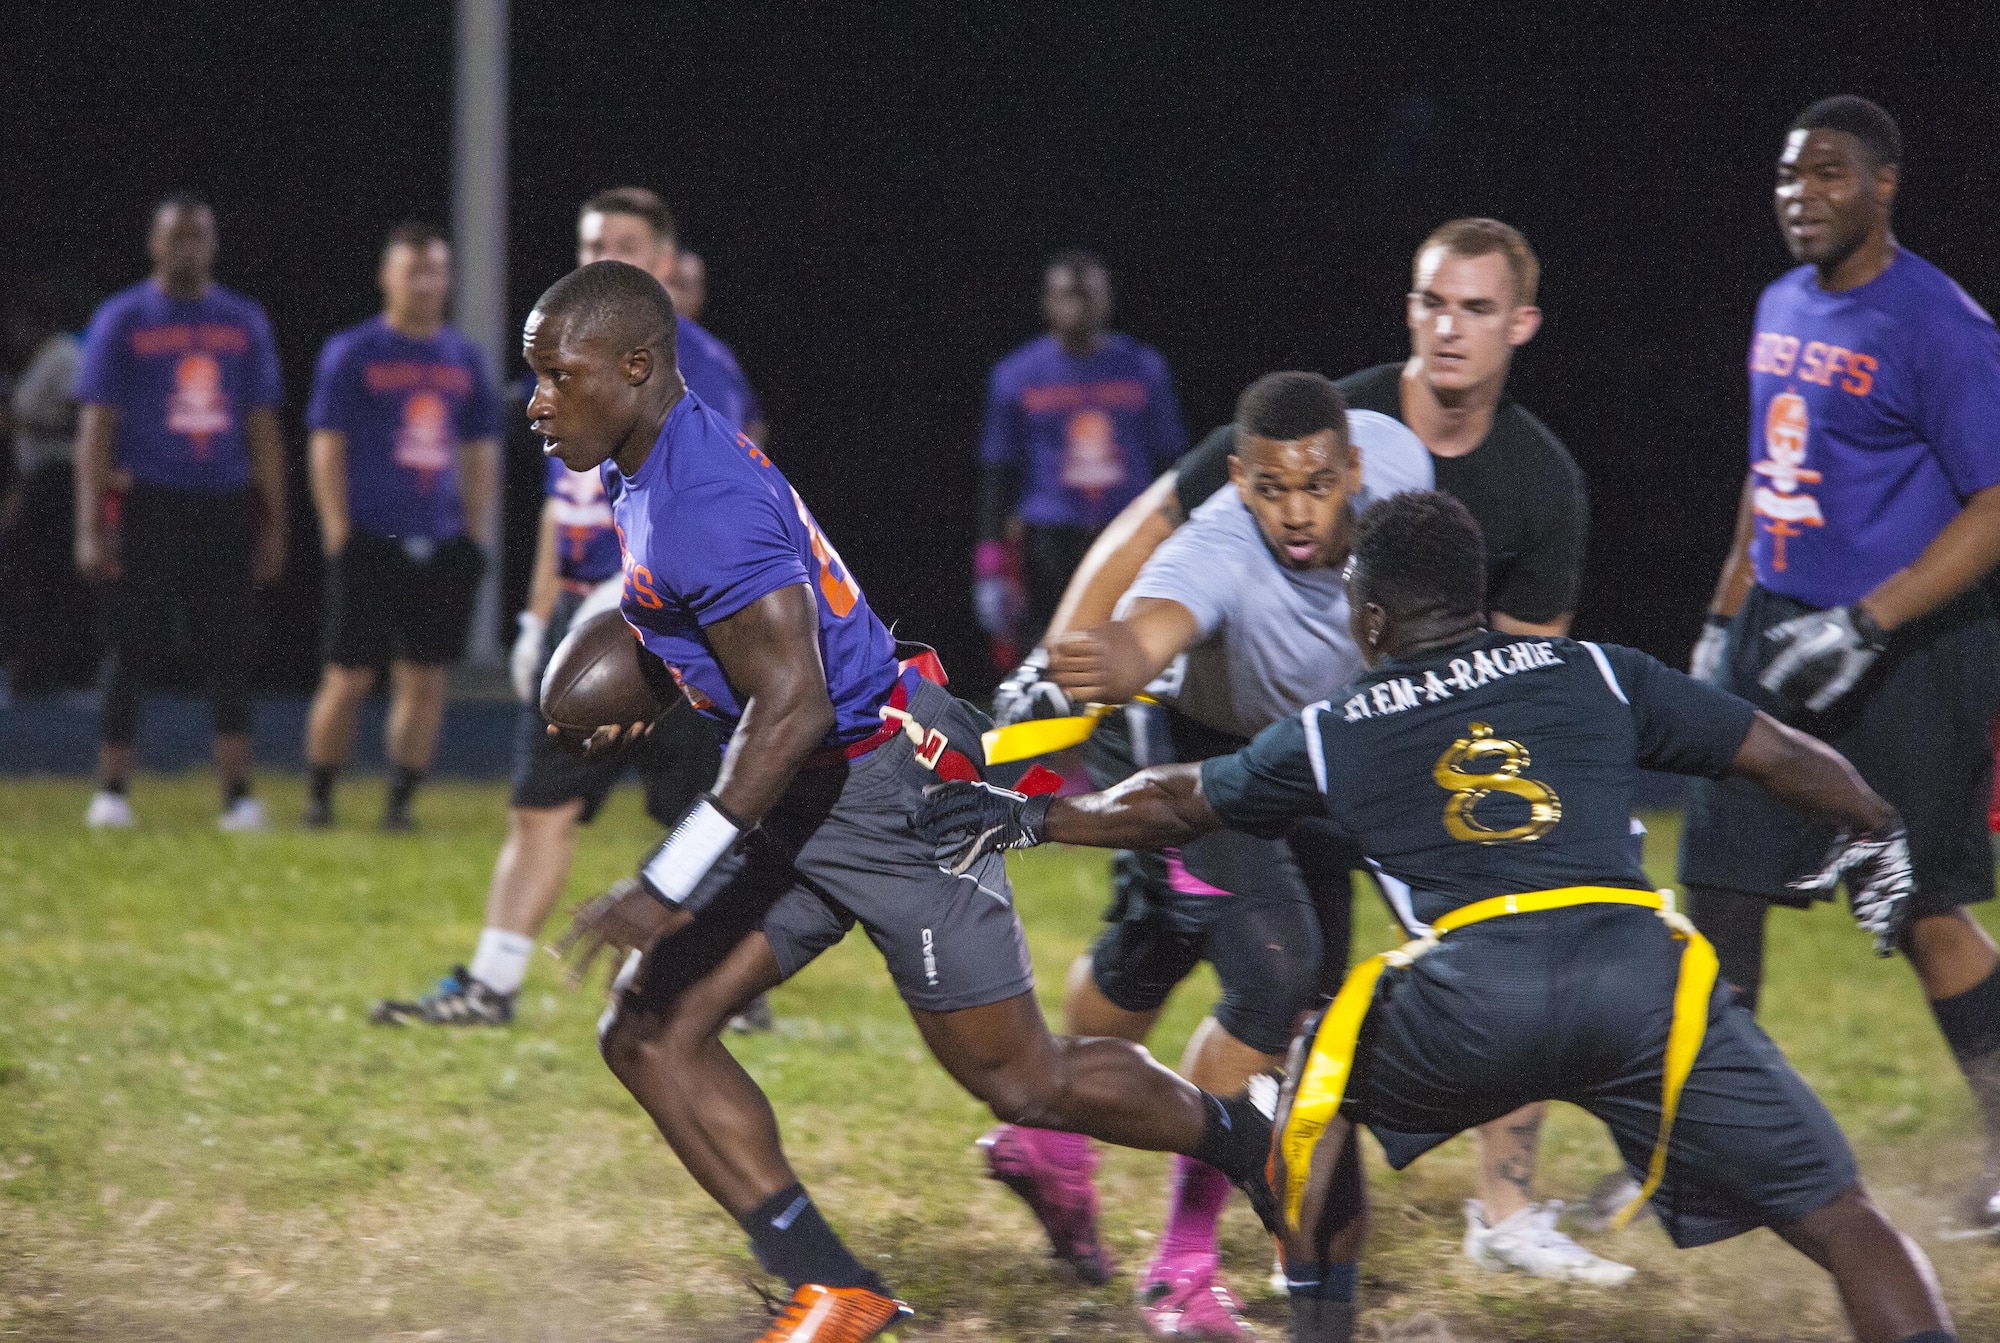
596, 678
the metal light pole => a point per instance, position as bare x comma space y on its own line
479, 235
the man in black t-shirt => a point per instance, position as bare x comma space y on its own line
1491, 776
1471, 305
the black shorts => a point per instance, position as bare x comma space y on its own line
384, 602
1916, 727
676, 762
840, 849
1574, 1005
1232, 900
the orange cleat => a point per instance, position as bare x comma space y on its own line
817, 1314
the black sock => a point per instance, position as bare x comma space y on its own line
792, 1240
1235, 1137
234, 792
403, 787
116, 787
1970, 1023
320, 782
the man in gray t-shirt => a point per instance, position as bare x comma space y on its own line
1270, 637
1238, 620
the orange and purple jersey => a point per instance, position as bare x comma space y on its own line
1874, 415
586, 533
706, 526
1087, 434
404, 405
182, 374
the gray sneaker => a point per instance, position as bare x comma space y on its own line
458, 1000
755, 1019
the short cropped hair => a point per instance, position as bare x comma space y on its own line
1421, 551
1078, 260
1285, 406
617, 298
415, 233
185, 201
1865, 121
633, 201
1483, 237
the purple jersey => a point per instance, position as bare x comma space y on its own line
1087, 434
404, 405
1874, 414
586, 534
706, 527
712, 373
181, 373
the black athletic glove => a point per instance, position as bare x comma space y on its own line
1879, 881
1823, 655
967, 821
1027, 694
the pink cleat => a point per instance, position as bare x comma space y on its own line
1181, 1298
1051, 1172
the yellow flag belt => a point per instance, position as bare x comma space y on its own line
1331, 1060
1041, 736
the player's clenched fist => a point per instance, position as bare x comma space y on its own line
1089, 665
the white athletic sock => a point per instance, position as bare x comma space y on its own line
501, 962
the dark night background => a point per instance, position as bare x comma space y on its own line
875, 194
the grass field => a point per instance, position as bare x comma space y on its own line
201, 1137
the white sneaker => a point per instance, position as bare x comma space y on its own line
244, 816
109, 811
1278, 1282
1528, 1242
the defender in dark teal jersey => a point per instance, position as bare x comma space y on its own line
1490, 779
806, 831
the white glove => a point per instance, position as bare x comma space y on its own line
1705, 662
1028, 694
524, 663
1824, 654
1880, 882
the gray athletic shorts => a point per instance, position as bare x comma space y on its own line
839, 849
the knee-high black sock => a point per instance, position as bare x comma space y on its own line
792, 1240
403, 787
1970, 1023
1734, 922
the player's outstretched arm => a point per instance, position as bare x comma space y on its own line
1154, 809
769, 651
1115, 558
1112, 662
1811, 776
1108, 568
1871, 854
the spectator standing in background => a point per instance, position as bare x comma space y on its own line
179, 393
405, 450
633, 225
1078, 422
49, 638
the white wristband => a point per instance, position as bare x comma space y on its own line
678, 865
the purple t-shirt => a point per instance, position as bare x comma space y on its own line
711, 372
586, 534
404, 405
1874, 415
708, 526
181, 373
1087, 434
